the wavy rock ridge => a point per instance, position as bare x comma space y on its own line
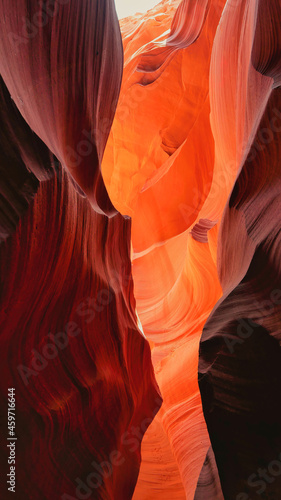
81, 368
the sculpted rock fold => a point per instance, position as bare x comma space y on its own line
62, 65
81, 368
240, 352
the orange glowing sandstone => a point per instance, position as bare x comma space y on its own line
161, 167
175, 149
